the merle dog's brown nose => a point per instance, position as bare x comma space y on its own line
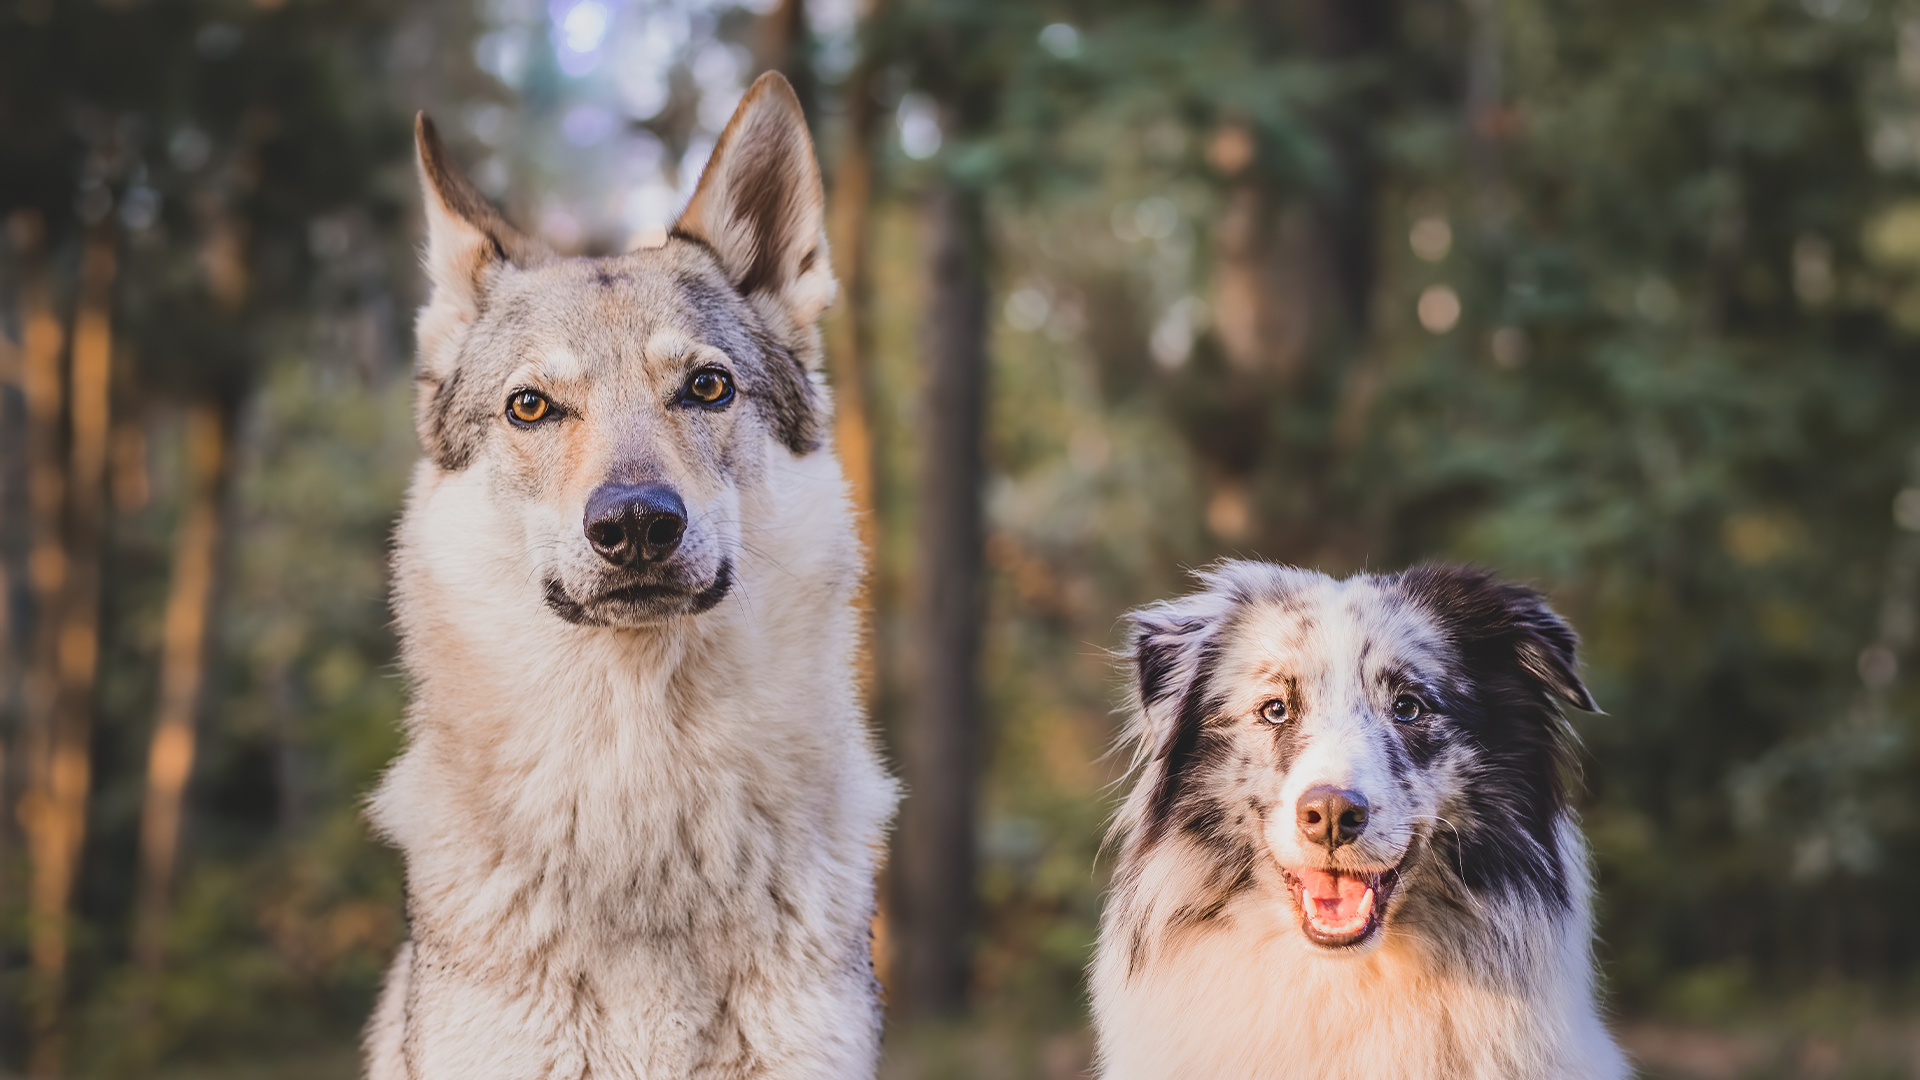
635, 523
1331, 816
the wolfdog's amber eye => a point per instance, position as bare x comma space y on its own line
708, 386
1274, 712
527, 407
1406, 708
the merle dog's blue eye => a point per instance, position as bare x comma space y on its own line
1407, 708
1274, 712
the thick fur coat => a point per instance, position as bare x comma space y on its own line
1348, 854
639, 807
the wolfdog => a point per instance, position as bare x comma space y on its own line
1348, 852
639, 806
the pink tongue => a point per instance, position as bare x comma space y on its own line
1335, 897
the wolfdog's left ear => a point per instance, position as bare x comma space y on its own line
760, 209
468, 245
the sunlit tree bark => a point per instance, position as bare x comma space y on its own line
183, 667
785, 45
54, 809
850, 367
43, 343
849, 358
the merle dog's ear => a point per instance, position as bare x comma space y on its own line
1548, 648
1494, 620
1168, 644
468, 246
759, 208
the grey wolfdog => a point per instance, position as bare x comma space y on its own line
639, 806
1348, 851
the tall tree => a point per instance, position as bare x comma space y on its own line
786, 46
59, 763
201, 146
43, 385
850, 219
183, 670
961, 54
941, 748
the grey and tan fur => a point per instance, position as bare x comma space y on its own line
1348, 853
638, 804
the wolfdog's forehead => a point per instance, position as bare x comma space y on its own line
609, 309
1302, 624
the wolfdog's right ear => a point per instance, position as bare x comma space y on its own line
760, 209
468, 245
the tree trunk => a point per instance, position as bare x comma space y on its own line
786, 41
1489, 121
54, 810
935, 855
183, 669
849, 358
1293, 281
43, 344
849, 333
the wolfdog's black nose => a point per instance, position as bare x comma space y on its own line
630, 523
1331, 816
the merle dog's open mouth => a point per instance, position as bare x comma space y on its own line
1341, 908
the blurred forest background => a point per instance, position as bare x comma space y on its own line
1619, 296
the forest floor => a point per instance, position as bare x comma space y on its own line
1877, 1050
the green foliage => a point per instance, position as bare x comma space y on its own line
1677, 391
1690, 428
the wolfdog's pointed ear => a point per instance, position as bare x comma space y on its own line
759, 206
468, 245
1494, 620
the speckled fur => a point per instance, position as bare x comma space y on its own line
640, 839
1482, 968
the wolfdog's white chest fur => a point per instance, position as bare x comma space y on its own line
642, 853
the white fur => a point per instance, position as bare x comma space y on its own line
558, 778
1257, 1000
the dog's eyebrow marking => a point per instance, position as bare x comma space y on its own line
557, 365
1271, 673
729, 324
670, 346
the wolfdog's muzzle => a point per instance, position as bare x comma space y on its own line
636, 529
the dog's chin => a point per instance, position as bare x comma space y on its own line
1341, 910
640, 602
